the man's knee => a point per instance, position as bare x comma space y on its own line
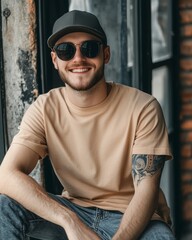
157, 230
8, 206
5, 202
6, 209
12, 219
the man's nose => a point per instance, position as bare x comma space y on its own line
78, 55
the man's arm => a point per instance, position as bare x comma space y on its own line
17, 184
146, 171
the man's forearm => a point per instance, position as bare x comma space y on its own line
146, 171
33, 197
137, 215
16, 183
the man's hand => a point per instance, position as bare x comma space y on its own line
77, 230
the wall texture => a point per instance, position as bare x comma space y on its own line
20, 61
19, 48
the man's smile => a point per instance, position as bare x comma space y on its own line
79, 70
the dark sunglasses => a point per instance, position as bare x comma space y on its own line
66, 50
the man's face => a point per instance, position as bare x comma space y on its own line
81, 73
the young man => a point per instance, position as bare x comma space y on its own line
107, 144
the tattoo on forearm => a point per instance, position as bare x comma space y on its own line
146, 165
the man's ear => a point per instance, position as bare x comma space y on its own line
107, 54
54, 59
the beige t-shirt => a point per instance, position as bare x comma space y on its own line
91, 148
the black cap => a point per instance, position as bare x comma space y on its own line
76, 21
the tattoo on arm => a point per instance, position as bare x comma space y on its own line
146, 165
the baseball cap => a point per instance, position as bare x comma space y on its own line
76, 21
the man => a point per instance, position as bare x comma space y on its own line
107, 144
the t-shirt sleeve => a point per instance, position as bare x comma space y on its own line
31, 131
151, 134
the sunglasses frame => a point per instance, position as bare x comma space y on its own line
73, 45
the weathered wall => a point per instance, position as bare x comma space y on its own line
19, 49
20, 62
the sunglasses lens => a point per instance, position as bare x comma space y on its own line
90, 49
65, 51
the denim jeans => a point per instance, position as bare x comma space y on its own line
17, 223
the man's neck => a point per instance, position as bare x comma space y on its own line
88, 98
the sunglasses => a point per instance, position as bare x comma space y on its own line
66, 50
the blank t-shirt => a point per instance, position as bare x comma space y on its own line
91, 148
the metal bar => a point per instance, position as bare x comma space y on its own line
3, 120
166, 62
48, 12
41, 47
124, 44
142, 73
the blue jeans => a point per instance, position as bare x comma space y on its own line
17, 223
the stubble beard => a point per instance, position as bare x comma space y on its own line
90, 84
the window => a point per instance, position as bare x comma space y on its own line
147, 41
151, 63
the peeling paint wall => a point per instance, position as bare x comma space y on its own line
20, 62
19, 49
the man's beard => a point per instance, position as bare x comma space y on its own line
92, 82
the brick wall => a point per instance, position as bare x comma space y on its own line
185, 77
